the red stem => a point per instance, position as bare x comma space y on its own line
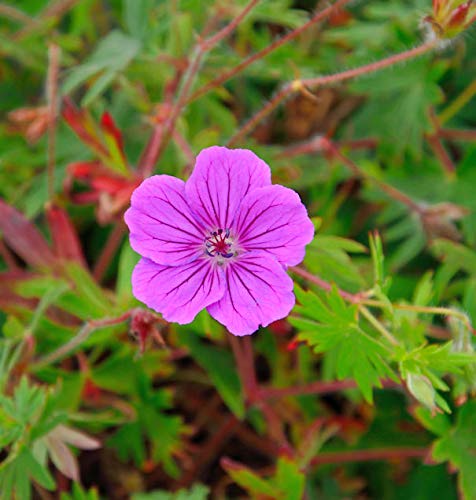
463, 135
110, 248
350, 297
226, 75
318, 144
387, 188
300, 85
337, 457
209, 452
315, 388
52, 99
163, 132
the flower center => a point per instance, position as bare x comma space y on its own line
219, 244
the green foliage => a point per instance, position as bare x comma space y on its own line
162, 431
389, 154
32, 430
197, 492
458, 446
333, 327
112, 55
286, 483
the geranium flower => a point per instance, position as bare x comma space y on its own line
220, 241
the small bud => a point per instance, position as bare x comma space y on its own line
451, 17
144, 327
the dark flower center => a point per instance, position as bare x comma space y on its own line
219, 244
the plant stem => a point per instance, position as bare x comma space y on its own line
83, 334
113, 241
363, 300
324, 285
458, 103
386, 188
226, 75
377, 454
163, 132
15, 14
52, 100
300, 85
463, 135
378, 326
370, 68
318, 143
307, 389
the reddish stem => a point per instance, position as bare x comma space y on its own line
387, 188
209, 452
354, 298
337, 457
163, 132
84, 332
441, 153
318, 144
463, 135
369, 68
110, 248
301, 85
226, 75
316, 388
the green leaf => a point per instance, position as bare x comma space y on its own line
112, 55
289, 479
458, 446
328, 257
332, 327
220, 366
196, 492
136, 17
127, 261
403, 94
250, 481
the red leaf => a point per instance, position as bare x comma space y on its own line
459, 14
23, 237
108, 125
65, 238
81, 122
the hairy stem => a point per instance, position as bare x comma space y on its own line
363, 300
83, 334
54, 52
163, 132
324, 285
378, 325
227, 75
312, 83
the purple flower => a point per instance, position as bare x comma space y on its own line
221, 240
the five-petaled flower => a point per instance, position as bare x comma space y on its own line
221, 241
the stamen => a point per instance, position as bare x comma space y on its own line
219, 244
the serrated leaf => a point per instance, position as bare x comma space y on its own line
333, 327
458, 446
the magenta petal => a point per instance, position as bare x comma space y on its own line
274, 220
221, 179
258, 292
161, 223
178, 292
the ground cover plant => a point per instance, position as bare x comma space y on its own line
365, 387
